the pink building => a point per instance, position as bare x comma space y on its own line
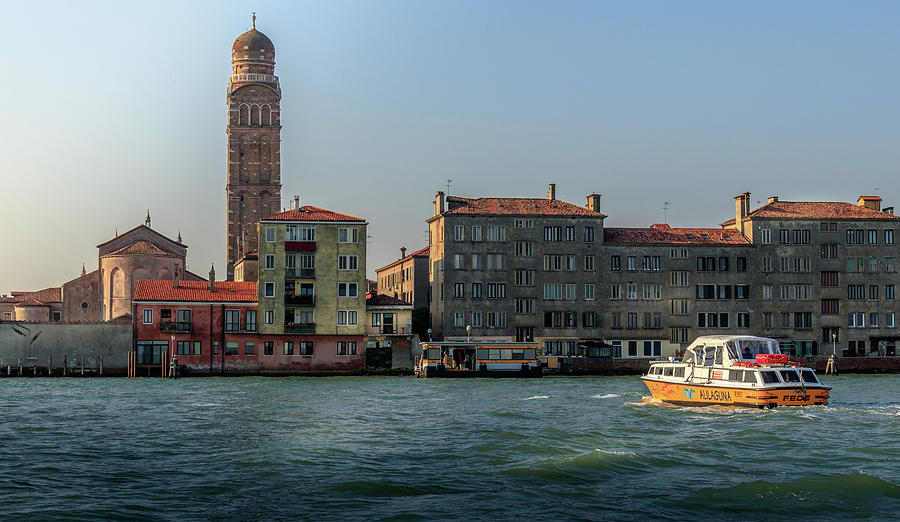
212, 330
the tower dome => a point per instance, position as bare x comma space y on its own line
253, 52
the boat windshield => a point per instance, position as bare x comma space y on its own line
750, 348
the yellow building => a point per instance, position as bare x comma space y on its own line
312, 273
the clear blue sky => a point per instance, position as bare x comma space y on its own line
110, 108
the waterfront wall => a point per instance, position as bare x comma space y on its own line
45, 348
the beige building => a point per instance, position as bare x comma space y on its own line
406, 278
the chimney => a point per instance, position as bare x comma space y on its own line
177, 278
212, 277
773, 199
439, 203
872, 202
593, 202
402, 252
296, 202
551, 192
741, 209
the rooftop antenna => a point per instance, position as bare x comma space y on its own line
253, 19
449, 181
666, 212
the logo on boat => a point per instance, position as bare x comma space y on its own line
689, 393
715, 395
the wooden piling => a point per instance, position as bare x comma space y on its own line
65, 364
101, 365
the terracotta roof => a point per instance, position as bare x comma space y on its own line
666, 235
422, 252
47, 295
31, 302
139, 227
195, 291
385, 300
522, 206
310, 213
141, 247
815, 210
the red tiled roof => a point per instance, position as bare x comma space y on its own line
385, 300
815, 210
522, 206
47, 295
664, 234
141, 247
31, 302
195, 291
310, 213
422, 252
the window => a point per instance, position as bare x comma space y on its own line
706, 291
270, 234
888, 237
346, 348
855, 236
889, 292
873, 292
570, 291
496, 319
148, 316
802, 320
347, 290
348, 262
496, 290
249, 348
615, 320
589, 319
889, 264
615, 263
679, 278
589, 263
630, 263
524, 306
571, 319
288, 348
784, 236
743, 320
766, 264
268, 348
856, 264
459, 319
680, 335
270, 289
741, 291
270, 261
679, 306
231, 347
829, 251
524, 223
615, 291
706, 264
306, 348
678, 253
873, 237
570, 263
856, 291
766, 292
631, 291
346, 318
765, 236
632, 321
723, 264
741, 264
269, 317
477, 261
250, 317
889, 320
652, 348
459, 232
524, 249
459, 261
589, 292
632, 348
476, 232
570, 233
873, 320
831, 306
347, 235
651, 292
767, 319
476, 290
831, 279
857, 320
588, 234
476, 320
183, 348
232, 321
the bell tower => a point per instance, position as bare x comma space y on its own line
253, 183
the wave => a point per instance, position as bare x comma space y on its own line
592, 465
206, 404
606, 396
537, 397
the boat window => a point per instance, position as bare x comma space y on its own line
750, 376
790, 376
688, 357
718, 355
732, 351
518, 355
709, 356
530, 354
494, 353
482, 353
769, 377
667, 370
434, 353
506, 354
810, 376
735, 375
679, 372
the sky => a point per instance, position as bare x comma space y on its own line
108, 109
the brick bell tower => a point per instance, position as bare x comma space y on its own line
253, 184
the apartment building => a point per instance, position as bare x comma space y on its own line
312, 278
820, 276
406, 278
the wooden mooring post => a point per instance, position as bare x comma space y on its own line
831, 366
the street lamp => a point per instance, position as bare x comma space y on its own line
468, 333
834, 344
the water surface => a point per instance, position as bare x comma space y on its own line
405, 448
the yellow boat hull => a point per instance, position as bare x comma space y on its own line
708, 395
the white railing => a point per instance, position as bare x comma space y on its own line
249, 78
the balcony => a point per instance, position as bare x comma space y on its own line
387, 330
300, 246
170, 326
300, 273
300, 300
301, 328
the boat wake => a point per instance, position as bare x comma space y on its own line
606, 396
537, 397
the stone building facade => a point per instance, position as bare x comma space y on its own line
819, 276
253, 183
406, 278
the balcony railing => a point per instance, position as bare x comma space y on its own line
300, 300
175, 326
300, 273
387, 330
302, 328
300, 246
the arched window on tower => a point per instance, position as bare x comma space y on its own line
254, 115
266, 117
244, 115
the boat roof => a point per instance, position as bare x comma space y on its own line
725, 338
481, 344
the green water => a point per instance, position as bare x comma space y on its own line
405, 448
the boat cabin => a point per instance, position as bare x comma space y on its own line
478, 358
